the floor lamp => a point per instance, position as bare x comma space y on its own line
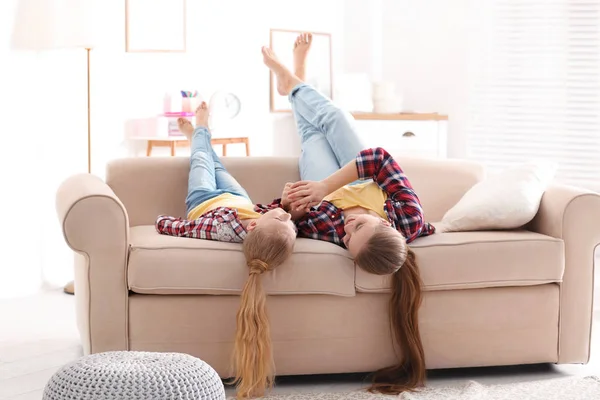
45, 25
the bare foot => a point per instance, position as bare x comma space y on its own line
185, 127
202, 115
301, 48
285, 79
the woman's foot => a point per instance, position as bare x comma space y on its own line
185, 127
285, 79
301, 48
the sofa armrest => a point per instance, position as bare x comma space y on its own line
95, 225
573, 215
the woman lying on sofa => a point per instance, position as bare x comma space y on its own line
359, 199
218, 208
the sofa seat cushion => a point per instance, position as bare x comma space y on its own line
466, 260
160, 264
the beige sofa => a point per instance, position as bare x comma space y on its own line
492, 298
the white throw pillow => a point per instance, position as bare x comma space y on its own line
507, 200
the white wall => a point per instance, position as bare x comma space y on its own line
16, 173
223, 54
423, 47
42, 109
363, 30
425, 51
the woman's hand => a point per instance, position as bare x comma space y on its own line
306, 194
286, 203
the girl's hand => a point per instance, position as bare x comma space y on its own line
306, 194
285, 200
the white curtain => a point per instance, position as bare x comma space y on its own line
535, 86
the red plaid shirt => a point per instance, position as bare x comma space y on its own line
222, 224
403, 208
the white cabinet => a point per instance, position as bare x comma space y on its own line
414, 138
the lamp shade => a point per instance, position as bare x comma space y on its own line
53, 24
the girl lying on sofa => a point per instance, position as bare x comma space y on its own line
218, 208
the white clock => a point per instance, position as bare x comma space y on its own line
224, 106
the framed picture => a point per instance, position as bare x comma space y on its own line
155, 26
319, 71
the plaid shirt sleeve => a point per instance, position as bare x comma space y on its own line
263, 208
378, 164
320, 223
220, 224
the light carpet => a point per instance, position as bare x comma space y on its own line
580, 388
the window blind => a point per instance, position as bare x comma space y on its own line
534, 90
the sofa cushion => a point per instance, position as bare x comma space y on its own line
160, 264
466, 260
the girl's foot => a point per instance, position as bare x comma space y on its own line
185, 127
301, 48
202, 115
285, 79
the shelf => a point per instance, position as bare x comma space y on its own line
361, 115
399, 116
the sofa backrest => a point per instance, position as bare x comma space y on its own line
440, 183
150, 186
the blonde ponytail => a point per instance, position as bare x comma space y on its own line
257, 266
253, 354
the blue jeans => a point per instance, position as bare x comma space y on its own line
328, 134
208, 177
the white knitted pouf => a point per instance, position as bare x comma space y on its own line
135, 375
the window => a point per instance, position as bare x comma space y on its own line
535, 86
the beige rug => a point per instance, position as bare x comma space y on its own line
551, 389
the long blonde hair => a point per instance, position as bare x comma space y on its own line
253, 363
383, 254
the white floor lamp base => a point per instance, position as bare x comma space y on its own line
69, 288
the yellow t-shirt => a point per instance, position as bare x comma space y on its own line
244, 207
367, 195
